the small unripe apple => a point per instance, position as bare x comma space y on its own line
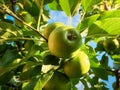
50, 27
63, 41
111, 44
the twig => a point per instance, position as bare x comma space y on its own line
18, 38
40, 14
9, 12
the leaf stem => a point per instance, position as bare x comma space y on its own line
40, 14
9, 12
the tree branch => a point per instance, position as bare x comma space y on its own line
9, 12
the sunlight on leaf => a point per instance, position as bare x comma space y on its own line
43, 80
65, 6
88, 4
107, 26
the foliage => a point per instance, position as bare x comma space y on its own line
23, 47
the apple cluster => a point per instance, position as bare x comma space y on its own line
64, 42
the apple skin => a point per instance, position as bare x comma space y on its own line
77, 66
59, 81
63, 41
50, 27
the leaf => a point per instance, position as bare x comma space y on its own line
9, 68
104, 61
74, 6
38, 2
106, 26
70, 7
1, 1
27, 32
29, 85
32, 51
101, 73
31, 7
43, 80
110, 14
4, 80
30, 73
65, 5
87, 5
54, 5
9, 57
8, 30
87, 22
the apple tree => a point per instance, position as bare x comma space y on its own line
36, 54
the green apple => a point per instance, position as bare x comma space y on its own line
111, 44
63, 41
50, 27
77, 66
59, 81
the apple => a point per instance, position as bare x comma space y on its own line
111, 44
77, 66
50, 27
63, 41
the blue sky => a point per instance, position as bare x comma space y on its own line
59, 16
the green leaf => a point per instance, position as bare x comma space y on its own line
54, 5
74, 6
47, 1
30, 6
1, 1
29, 85
87, 22
87, 5
110, 14
32, 51
65, 5
70, 7
31, 72
8, 30
9, 68
43, 80
106, 26
104, 61
4, 80
101, 73
9, 57
38, 2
